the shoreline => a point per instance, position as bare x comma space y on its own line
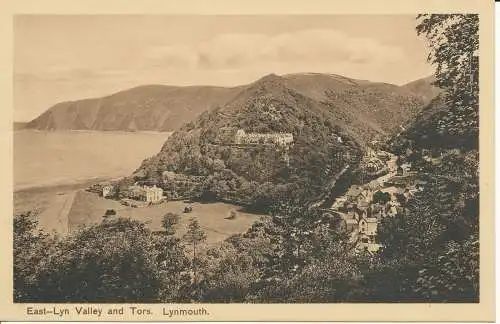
63, 185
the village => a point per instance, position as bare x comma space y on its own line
363, 207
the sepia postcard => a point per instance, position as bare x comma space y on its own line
247, 161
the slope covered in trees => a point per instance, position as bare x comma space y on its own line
452, 120
432, 251
327, 134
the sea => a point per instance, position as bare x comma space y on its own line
48, 158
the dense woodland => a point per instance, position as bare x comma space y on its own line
297, 254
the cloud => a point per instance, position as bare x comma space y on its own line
63, 74
240, 51
225, 59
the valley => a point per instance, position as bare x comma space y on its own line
241, 179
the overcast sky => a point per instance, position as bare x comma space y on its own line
59, 58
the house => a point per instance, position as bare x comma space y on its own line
154, 194
406, 167
366, 195
368, 226
282, 139
146, 193
367, 233
402, 180
352, 225
107, 191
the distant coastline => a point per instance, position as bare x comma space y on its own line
62, 184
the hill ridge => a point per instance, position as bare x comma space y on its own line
158, 107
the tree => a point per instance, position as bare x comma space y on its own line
31, 248
168, 222
230, 270
109, 212
299, 236
332, 278
172, 261
454, 45
115, 261
431, 252
195, 236
381, 197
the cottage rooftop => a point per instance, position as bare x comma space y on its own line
363, 205
353, 191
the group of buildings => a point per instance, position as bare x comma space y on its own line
280, 139
374, 162
364, 206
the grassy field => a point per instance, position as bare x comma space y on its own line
88, 208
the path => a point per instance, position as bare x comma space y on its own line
55, 217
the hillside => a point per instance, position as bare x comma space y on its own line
329, 131
437, 126
424, 88
152, 107
166, 108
